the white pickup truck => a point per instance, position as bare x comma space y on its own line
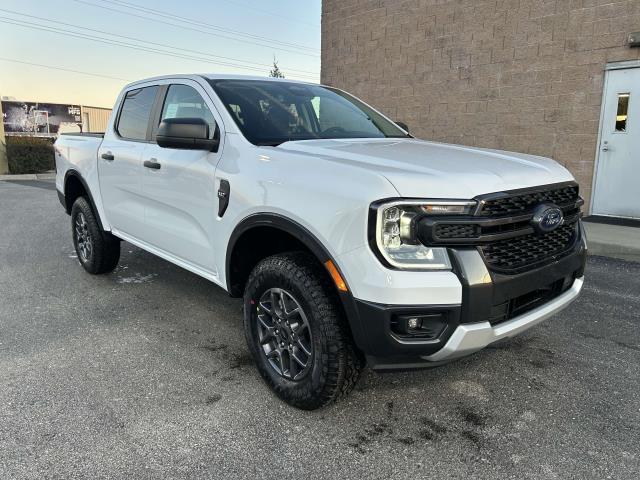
351, 242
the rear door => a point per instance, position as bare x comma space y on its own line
120, 162
181, 195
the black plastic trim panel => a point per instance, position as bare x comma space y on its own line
380, 340
483, 199
76, 174
427, 225
483, 289
507, 238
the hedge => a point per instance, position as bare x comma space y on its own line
30, 154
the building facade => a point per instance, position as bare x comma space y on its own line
51, 119
557, 78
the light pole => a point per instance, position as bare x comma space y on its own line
4, 165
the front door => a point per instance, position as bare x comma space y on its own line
181, 200
617, 184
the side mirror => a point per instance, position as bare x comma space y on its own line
403, 126
187, 133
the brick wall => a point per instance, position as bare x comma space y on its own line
520, 75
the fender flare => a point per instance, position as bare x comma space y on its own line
76, 174
316, 247
279, 222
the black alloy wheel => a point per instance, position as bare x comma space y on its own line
284, 334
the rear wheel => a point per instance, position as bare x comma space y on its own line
296, 332
98, 251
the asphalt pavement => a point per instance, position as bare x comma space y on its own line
144, 373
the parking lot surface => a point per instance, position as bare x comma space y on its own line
144, 373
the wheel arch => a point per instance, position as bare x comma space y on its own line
298, 235
269, 222
76, 186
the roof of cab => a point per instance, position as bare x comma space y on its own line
230, 76
217, 76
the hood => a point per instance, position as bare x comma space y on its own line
423, 169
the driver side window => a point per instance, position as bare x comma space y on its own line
183, 101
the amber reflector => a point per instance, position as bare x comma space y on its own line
337, 278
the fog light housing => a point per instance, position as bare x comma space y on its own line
427, 326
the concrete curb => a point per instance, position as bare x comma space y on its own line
613, 241
30, 176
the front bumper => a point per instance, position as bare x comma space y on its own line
472, 337
492, 306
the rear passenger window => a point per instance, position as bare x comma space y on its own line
183, 101
135, 113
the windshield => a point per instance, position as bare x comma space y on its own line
270, 113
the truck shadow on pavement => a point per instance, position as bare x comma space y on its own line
174, 291
482, 403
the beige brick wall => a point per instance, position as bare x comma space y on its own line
520, 75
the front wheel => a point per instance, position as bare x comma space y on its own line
297, 333
97, 251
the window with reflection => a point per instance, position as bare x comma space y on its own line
622, 112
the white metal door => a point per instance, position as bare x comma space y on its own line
180, 194
120, 169
617, 183
120, 163
181, 202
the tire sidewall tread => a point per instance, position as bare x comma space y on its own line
336, 364
106, 248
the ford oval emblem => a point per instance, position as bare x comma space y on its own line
546, 218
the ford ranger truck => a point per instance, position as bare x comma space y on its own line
351, 242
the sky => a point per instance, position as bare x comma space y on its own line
83, 51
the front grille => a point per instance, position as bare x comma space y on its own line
502, 230
524, 252
522, 203
453, 230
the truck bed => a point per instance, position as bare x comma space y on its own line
78, 152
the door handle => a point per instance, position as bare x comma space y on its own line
108, 156
605, 146
153, 164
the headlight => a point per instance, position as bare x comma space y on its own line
395, 236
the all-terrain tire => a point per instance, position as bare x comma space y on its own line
98, 251
336, 364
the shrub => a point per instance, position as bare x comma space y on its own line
30, 154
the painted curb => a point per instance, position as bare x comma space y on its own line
30, 176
